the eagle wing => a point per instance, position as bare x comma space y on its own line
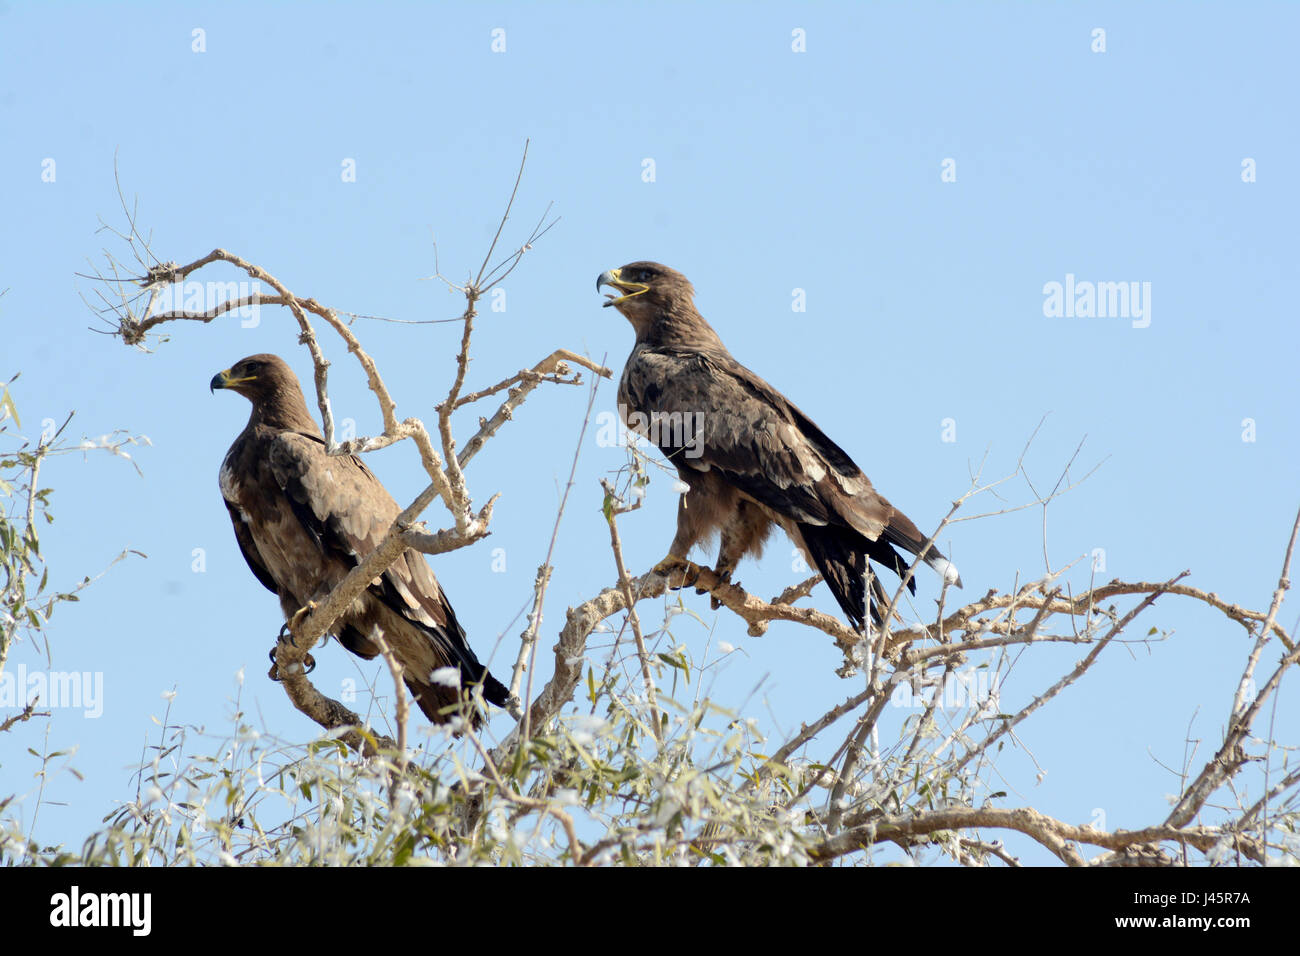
248, 548
735, 423
308, 519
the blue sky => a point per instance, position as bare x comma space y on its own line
774, 171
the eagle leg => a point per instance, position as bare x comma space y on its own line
673, 564
742, 533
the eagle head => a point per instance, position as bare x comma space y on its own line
254, 376
646, 288
660, 304
269, 383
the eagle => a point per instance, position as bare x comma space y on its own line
304, 519
749, 457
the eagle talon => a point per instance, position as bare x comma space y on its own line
299, 616
286, 637
672, 564
295, 622
724, 580
308, 665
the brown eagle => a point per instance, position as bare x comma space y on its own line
750, 457
304, 519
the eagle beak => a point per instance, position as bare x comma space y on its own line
614, 278
225, 380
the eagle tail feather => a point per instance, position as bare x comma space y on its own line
911, 541
841, 555
842, 562
436, 699
494, 692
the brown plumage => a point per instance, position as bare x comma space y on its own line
750, 457
304, 519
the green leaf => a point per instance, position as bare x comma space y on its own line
405, 848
